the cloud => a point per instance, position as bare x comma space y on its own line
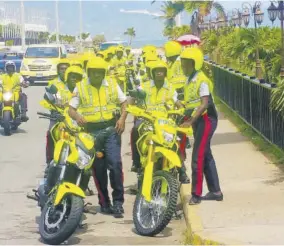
140, 11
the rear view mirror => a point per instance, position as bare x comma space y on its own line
52, 89
49, 97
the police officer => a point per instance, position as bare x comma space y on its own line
199, 100
96, 99
59, 82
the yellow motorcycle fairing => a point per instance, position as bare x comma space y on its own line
87, 140
67, 188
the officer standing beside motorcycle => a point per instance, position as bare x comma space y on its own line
59, 82
9, 80
204, 118
96, 100
177, 79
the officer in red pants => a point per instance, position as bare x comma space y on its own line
199, 100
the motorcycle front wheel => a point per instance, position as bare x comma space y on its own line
150, 218
58, 223
7, 117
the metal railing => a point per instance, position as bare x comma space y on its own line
250, 100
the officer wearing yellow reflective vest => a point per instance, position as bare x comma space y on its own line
73, 74
158, 93
96, 100
175, 74
198, 99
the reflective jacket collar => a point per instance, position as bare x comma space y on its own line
152, 84
192, 78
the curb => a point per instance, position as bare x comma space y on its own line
193, 221
195, 229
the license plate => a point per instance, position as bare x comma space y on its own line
39, 75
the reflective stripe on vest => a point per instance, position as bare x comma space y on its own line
155, 100
97, 105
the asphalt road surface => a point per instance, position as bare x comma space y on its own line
22, 161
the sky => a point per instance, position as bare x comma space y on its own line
112, 18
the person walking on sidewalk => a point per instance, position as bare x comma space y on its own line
204, 118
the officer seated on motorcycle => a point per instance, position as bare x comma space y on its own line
12, 78
158, 93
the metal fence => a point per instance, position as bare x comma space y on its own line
250, 100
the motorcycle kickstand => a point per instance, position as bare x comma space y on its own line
34, 197
86, 210
91, 192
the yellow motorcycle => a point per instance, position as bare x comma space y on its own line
10, 115
158, 146
68, 175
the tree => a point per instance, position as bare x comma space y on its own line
85, 35
175, 32
43, 37
131, 33
98, 39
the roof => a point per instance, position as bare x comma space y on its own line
45, 45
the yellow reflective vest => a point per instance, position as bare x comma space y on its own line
191, 90
9, 82
98, 105
156, 99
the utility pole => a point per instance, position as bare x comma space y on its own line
57, 21
23, 29
81, 25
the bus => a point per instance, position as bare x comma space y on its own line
106, 45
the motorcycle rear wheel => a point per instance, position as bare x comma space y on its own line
149, 208
55, 233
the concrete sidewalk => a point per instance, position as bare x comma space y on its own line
253, 208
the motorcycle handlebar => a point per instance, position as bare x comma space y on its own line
44, 114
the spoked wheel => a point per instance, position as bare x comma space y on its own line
150, 218
58, 223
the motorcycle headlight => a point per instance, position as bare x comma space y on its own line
84, 159
169, 137
7, 96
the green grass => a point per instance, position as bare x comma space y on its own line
271, 151
193, 239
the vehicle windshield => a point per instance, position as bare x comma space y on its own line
42, 52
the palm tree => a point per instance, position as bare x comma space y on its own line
131, 33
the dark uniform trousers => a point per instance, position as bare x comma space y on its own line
112, 162
202, 159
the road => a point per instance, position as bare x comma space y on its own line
22, 161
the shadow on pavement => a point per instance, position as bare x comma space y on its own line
278, 177
228, 138
167, 232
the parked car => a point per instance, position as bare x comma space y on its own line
40, 62
11, 56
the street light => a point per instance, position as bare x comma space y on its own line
258, 18
273, 12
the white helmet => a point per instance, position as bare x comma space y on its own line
10, 63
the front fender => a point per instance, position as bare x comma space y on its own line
8, 108
171, 156
67, 188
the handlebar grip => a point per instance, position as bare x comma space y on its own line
44, 114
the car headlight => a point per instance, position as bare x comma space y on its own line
24, 67
54, 68
169, 137
84, 159
7, 96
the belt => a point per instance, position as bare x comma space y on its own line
91, 127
